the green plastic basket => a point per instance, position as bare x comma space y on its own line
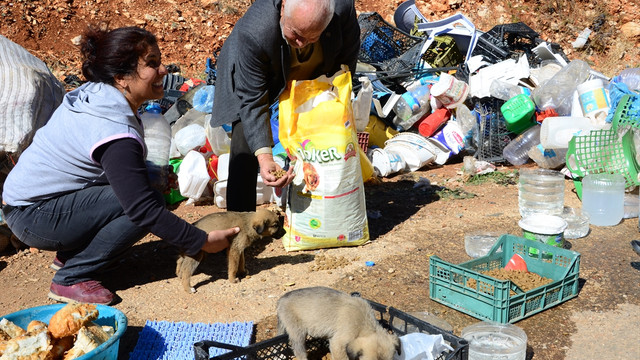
490, 299
627, 113
602, 151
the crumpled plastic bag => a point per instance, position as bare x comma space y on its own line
420, 346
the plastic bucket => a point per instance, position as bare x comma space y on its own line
385, 163
547, 229
413, 156
593, 99
450, 91
106, 316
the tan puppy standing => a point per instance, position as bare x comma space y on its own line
262, 223
348, 323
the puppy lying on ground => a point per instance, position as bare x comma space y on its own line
253, 226
347, 322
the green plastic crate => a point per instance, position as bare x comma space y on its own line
491, 299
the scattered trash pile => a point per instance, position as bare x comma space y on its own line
434, 92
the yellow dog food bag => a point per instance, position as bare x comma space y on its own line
325, 205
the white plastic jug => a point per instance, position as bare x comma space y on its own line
556, 131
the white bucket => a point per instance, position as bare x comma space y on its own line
593, 99
385, 163
450, 91
547, 229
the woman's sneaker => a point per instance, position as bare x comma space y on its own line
90, 291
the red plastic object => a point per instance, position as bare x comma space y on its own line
516, 263
540, 116
427, 126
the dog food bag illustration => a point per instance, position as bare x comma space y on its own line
326, 204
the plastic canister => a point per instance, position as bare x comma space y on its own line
492, 340
450, 91
540, 191
451, 136
518, 113
594, 99
557, 131
547, 229
603, 198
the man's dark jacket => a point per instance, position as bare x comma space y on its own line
255, 60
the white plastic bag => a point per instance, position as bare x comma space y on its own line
420, 346
362, 104
193, 176
190, 137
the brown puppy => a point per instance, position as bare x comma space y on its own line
348, 323
253, 226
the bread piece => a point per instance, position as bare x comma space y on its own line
35, 346
61, 346
87, 340
70, 318
36, 326
10, 329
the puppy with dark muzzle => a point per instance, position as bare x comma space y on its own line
253, 226
348, 323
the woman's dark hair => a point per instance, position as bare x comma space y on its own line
108, 53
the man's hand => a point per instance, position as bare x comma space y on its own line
272, 174
218, 240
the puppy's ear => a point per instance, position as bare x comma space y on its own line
259, 225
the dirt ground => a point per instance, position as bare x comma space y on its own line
410, 219
409, 222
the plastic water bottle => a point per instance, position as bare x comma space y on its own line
631, 78
516, 151
557, 92
411, 106
504, 91
468, 125
157, 137
540, 191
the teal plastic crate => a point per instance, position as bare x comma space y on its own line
490, 299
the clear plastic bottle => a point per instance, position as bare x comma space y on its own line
557, 92
468, 125
157, 137
411, 106
631, 78
540, 191
547, 158
516, 151
504, 91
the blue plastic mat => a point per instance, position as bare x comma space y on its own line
169, 340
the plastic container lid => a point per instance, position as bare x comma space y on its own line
543, 224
